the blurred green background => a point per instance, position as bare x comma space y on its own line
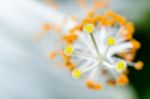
141, 79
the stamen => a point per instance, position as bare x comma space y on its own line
77, 73
89, 28
110, 42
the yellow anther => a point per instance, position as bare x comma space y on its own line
89, 28
76, 74
69, 50
121, 66
111, 41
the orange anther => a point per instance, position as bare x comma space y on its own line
82, 3
128, 36
51, 3
52, 54
111, 82
69, 64
98, 18
139, 65
92, 85
90, 14
66, 58
129, 57
135, 44
98, 4
118, 18
46, 27
122, 80
130, 27
74, 18
70, 38
104, 21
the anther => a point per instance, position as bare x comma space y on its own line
52, 54
139, 65
122, 80
136, 44
92, 85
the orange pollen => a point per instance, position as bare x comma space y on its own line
129, 57
136, 44
104, 21
46, 27
70, 38
139, 65
90, 84
66, 58
91, 14
100, 4
52, 54
74, 18
82, 3
111, 82
128, 36
69, 64
130, 27
118, 18
122, 80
